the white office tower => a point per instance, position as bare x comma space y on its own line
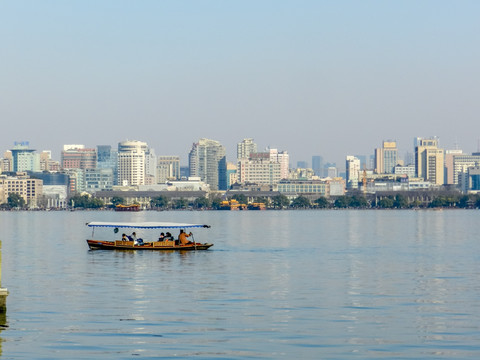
131, 162
352, 167
283, 159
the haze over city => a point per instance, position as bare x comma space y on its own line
309, 77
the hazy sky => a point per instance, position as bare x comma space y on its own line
326, 78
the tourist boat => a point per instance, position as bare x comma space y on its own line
147, 245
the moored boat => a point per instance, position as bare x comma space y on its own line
133, 207
145, 244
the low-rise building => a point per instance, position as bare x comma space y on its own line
98, 180
30, 190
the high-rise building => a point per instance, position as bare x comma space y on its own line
231, 174
131, 162
449, 165
429, 160
207, 160
7, 162
150, 167
461, 165
98, 180
47, 163
108, 159
245, 148
386, 157
168, 168
332, 172
24, 158
363, 161
317, 165
302, 164
474, 176
78, 157
259, 168
283, 159
352, 167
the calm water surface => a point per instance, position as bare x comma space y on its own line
277, 284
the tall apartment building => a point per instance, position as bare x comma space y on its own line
24, 158
78, 157
46, 162
429, 160
259, 168
131, 162
7, 162
283, 159
245, 148
150, 167
352, 167
168, 168
386, 157
207, 160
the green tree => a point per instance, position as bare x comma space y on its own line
357, 201
464, 201
117, 200
159, 202
180, 204
439, 201
201, 203
386, 203
15, 201
477, 202
85, 202
241, 198
401, 202
342, 202
280, 201
95, 203
322, 202
216, 202
79, 201
300, 202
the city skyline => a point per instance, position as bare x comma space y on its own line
367, 159
317, 78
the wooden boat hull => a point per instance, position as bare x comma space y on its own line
159, 245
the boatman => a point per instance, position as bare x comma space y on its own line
182, 238
135, 240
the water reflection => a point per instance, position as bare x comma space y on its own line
309, 284
3, 325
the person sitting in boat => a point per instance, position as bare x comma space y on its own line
124, 237
168, 236
182, 238
135, 240
162, 237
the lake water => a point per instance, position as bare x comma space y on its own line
277, 284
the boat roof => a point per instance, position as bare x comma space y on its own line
145, 225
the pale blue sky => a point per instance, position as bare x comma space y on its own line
326, 78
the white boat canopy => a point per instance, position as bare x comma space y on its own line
145, 225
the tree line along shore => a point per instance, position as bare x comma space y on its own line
450, 200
